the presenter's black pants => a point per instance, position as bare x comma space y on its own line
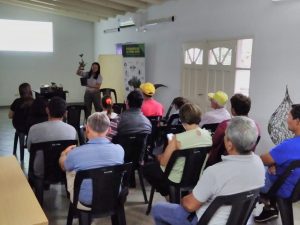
92, 98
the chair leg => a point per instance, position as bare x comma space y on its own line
119, 218
70, 215
286, 211
39, 190
150, 200
142, 184
174, 194
15, 143
22, 143
85, 218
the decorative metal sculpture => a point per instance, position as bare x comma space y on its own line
277, 126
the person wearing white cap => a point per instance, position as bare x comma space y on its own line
219, 113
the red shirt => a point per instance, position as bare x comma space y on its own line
152, 107
218, 147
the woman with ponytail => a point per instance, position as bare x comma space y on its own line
107, 105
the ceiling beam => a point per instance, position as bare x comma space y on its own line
90, 6
49, 9
153, 1
132, 3
111, 5
74, 6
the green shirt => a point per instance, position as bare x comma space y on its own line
189, 139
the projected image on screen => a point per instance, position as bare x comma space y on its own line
29, 36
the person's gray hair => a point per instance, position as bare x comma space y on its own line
98, 122
242, 132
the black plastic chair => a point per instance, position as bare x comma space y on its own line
73, 118
119, 107
195, 159
285, 205
211, 127
52, 171
22, 142
134, 146
108, 91
242, 206
166, 118
173, 120
153, 137
110, 189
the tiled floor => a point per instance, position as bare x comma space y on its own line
55, 201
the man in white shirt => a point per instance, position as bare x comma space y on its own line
241, 170
219, 113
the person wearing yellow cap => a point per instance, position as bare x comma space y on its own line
219, 113
150, 106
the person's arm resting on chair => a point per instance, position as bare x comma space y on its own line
63, 156
190, 203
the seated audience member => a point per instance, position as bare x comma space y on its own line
37, 112
98, 152
241, 170
277, 160
113, 117
219, 112
194, 136
240, 106
150, 106
19, 109
177, 103
52, 130
132, 120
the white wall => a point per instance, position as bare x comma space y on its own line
275, 28
70, 38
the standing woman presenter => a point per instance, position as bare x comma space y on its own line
92, 92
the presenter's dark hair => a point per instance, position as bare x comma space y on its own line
96, 75
57, 107
135, 99
25, 90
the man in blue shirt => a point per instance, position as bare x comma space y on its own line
277, 161
98, 152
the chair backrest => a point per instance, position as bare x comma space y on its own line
175, 129
211, 127
155, 122
173, 120
134, 146
195, 159
74, 114
108, 91
282, 178
242, 206
119, 107
52, 151
109, 187
166, 118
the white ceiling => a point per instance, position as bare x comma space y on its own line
88, 10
